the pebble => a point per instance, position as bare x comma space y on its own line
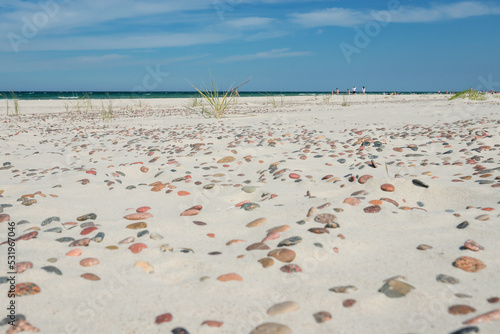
136, 226
179, 330
230, 277
80, 243
281, 228
89, 216
249, 206
266, 262
226, 160
387, 187
88, 230
290, 241
98, 237
137, 248
138, 216
212, 323
21, 267
469, 264
363, 179
257, 246
483, 217
460, 309
166, 317
284, 307
419, 183
486, 317
466, 330
4, 217
343, 289
147, 267
473, 246
26, 289
249, 189
49, 220
318, 230
322, 316
52, 269
257, 222
372, 209
282, 254
88, 262
291, 268
65, 239
424, 247
462, 225
325, 218
353, 201
395, 289
493, 300
348, 303
271, 328
447, 279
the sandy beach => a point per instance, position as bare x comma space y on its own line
294, 215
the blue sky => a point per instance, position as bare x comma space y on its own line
283, 45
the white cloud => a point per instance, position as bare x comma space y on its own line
275, 53
250, 22
346, 17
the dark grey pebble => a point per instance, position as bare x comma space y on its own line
317, 244
250, 206
4, 279
6, 205
290, 241
23, 222
341, 161
87, 224
485, 181
130, 187
414, 155
448, 152
463, 225
89, 216
447, 279
466, 330
301, 222
6, 320
420, 204
449, 211
52, 269
54, 230
98, 237
419, 183
142, 233
179, 330
65, 239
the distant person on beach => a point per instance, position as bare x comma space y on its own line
354, 90
364, 90
337, 90
348, 91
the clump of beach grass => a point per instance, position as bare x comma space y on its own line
107, 110
219, 102
271, 99
470, 94
13, 103
345, 102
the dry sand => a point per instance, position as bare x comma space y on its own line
306, 152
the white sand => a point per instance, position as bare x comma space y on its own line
377, 246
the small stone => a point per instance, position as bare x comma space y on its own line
284, 307
447, 279
138, 216
483, 217
322, 316
363, 179
291, 268
257, 246
88, 262
21, 267
294, 176
212, 323
271, 328
353, 201
230, 277
282, 254
257, 222
89, 216
49, 220
473, 246
145, 266
348, 303
281, 228
156, 236
463, 225
26, 289
52, 260
137, 247
318, 230
325, 218
142, 233
395, 289
469, 264
419, 183
266, 262
54, 230
372, 209
393, 202
193, 211
250, 206
166, 248
90, 277
52, 269
112, 247
460, 309
143, 209
290, 241
226, 160
80, 243
343, 289
136, 226
249, 189
387, 187
127, 240
98, 237
4, 217
490, 316
424, 247
166, 317
88, 230
65, 239
467, 330
179, 330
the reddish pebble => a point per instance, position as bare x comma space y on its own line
90, 277
473, 246
4, 217
291, 268
74, 252
88, 230
363, 179
493, 300
21, 267
372, 209
212, 323
294, 176
348, 303
211, 235
144, 169
167, 317
376, 202
352, 201
143, 209
137, 248
183, 193
230, 277
387, 187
